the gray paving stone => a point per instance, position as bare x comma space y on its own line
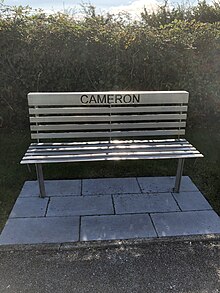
192, 201
116, 227
80, 205
109, 186
29, 207
40, 230
145, 203
53, 188
164, 184
186, 223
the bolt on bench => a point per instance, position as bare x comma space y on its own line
103, 126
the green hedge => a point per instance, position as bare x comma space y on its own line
57, 52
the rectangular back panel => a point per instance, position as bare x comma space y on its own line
107, 114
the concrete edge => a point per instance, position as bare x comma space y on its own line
100, 244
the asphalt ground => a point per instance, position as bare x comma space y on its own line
121, 266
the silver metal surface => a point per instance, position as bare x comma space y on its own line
122, 129
40, 179
169, 141
74, 98
96, 150
116, 126
179, 175
65, 115
106, 134
106, 118
99, 151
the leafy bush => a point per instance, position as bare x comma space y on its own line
41, 52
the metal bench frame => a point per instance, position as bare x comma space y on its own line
127, 125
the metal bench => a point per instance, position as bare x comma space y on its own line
103, 126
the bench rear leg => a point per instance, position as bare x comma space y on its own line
40, 179
179, 175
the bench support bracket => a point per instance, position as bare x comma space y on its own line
40, 179
179, 175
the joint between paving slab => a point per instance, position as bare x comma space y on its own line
176, 201
146, 212
113, 204
139, 185
81, 187
169, 212
47, 207
63, 196
153, 225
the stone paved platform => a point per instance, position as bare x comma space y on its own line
107, 209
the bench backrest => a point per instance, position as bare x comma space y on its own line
110, 115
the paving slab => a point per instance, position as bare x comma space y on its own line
110, 209
186, 223
40, 230
53, 188
80, 205
144, 203
192, 201
110, 186
116, 227
29, 207
164, 184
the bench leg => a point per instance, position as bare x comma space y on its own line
179, 175
40, 179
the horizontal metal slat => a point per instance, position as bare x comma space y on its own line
108, 134
109, 158
109, 151
112, 159
114, 126
107, 110
128, 153
112, 118
166, 141
97, 148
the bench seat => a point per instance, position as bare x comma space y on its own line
39, 153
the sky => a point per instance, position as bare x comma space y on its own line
114, 6
133, 7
